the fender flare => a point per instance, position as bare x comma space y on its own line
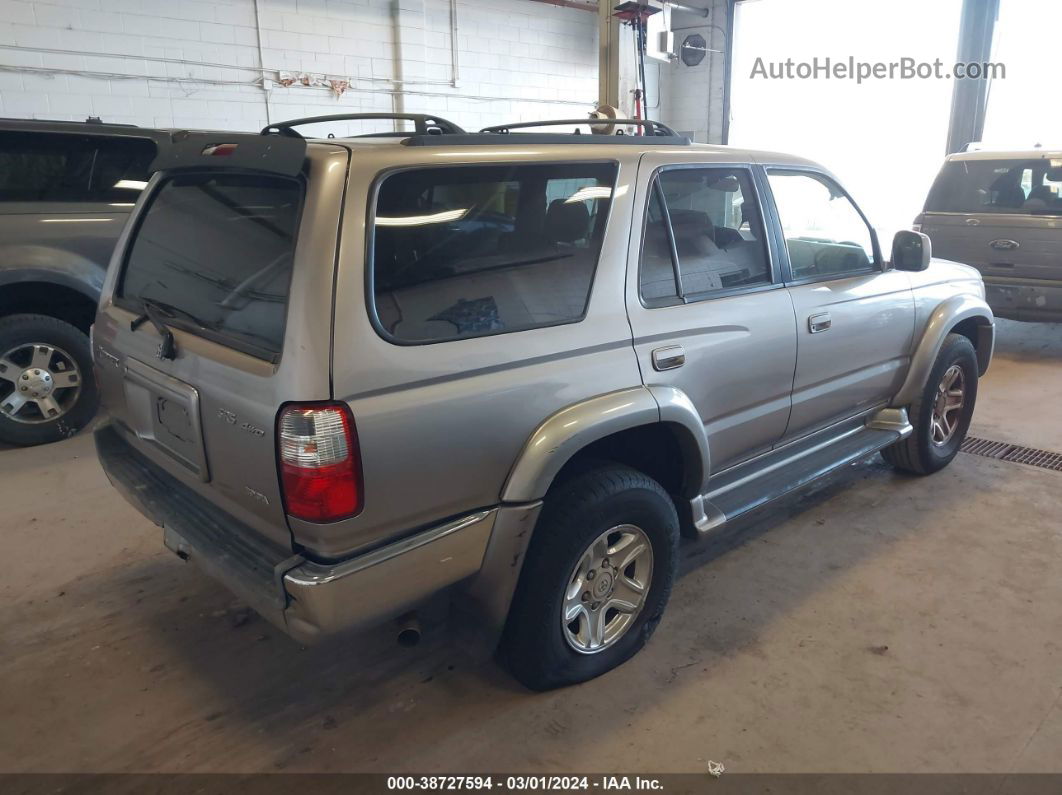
943, 319
88, 281
569, 430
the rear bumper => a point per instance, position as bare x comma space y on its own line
1024, 299
307, 600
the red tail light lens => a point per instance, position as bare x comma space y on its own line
320, 466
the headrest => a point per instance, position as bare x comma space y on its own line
566, 222
691, 223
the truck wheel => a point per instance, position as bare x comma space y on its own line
47, 392
596, 580
941, 415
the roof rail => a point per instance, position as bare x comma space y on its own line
651, 127
423, 124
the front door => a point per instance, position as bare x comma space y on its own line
708, 310
854, 322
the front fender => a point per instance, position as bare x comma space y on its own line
944, 318
571, 429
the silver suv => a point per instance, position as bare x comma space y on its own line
1001, 212
347, 375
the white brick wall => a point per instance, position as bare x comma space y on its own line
187, 63
692, 96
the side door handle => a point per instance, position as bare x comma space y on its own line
817, 323
669, 358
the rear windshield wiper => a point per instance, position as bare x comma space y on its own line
155, 312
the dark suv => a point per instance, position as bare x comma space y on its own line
66, 189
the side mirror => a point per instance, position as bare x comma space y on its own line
911, 251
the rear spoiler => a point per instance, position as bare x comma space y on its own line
272, 154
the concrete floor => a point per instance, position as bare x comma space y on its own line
880, 623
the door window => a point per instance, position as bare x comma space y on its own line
825, 234
703, 236
55, 167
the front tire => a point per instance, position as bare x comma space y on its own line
941, 415
596, 580
47, 391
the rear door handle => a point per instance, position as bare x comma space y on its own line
817, 323
669, 358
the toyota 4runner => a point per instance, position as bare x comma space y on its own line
348, 375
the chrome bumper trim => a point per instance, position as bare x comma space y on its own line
376, 586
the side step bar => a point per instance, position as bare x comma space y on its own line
755, 483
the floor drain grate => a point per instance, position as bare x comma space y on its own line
1005, 451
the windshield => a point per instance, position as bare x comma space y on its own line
215, 253
1028, 187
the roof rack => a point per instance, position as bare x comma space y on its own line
653, 128
423, 124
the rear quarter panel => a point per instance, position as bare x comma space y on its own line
59, 242
441, 425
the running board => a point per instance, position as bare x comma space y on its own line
766, 478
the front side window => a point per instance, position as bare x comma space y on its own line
703, 235
825, 234
468, 251
215, 251
1025, 187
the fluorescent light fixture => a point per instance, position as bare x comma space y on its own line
589, 193
130, 184
75, 220
421, 220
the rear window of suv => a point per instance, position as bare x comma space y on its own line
468, 251
1028, 187
59, 167
215, 252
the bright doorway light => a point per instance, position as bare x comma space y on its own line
884, 139
1023, 108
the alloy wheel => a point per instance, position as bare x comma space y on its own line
607, 589
43, 383
947, 406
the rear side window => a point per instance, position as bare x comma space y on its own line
215, 252
1028, 187
53, 167
703, 236
475, 250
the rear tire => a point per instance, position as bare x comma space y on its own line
47, 389
939, 431
610, 510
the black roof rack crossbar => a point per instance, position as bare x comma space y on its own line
423, 124
651, 127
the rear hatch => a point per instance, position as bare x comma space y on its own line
232, 252
1002, 216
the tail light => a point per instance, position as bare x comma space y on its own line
320, 465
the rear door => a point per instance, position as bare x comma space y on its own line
1003, 217
708, 309
238, 265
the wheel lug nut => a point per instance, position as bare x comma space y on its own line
586, 596
36, 372
591, 574
25, 377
